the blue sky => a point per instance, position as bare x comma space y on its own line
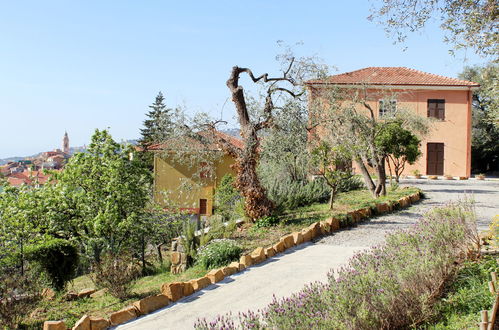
81, 65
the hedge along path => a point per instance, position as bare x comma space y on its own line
174, 291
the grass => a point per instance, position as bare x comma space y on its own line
465, 297
249, 237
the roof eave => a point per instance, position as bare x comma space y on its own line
395, 86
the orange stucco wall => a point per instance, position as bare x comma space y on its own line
454, 131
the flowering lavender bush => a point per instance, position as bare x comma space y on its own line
218, 252
393, 285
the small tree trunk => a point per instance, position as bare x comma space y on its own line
367, 177
160, 254
391, 174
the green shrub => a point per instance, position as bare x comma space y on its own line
218, 252
267, 221
288, 195
227, 199
58, 258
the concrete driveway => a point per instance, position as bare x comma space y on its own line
289, 272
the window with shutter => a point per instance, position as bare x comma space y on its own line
436, 109
387, 107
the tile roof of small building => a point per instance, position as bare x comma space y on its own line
238, 143
396, 76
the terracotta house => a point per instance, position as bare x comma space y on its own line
447, 149
184, 184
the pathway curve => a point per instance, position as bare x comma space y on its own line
290, 271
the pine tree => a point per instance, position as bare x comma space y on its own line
158, 127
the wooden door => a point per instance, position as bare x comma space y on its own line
435, 159
202, 206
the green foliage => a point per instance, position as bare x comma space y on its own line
466, 296
485, 121
190, 242
468, 24
330, 163
100, 197
218, 253
267, 221
400, 145
58, 258
227, 198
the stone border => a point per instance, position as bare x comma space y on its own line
171, 292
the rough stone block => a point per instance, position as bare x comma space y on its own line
99, 293
173, 291
365, 212
86, 293
354, 215
307, 234
188, 289
270, 252
383, 208
238, 265
288, 241
175, 257
334, 223
230, 270
258, 255
463, 178
98, 323
200, 283
315, 229
246, 260
83, 323
124, 315
405, 201
414, 197
54, 325
297, 238
279, 247
215, 275
151, 303
325, 228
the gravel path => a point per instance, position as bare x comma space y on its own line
484, 193
288, 272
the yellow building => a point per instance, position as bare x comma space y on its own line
185, 185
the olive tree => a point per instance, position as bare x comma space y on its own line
472, 24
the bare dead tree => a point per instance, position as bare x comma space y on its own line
257, 204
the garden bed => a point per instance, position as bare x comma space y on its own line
249, 237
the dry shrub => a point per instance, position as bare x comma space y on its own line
19, 295
117, 273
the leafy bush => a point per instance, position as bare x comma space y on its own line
117, 273
19, 295
218, 252
391, 286
58, 258
466, 296
227, 199
289, 194
267, 221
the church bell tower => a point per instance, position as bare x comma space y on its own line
65, 143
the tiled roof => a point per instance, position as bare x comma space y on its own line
395, 76
238, 143
26, 177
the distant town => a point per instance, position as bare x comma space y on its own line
30, 170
